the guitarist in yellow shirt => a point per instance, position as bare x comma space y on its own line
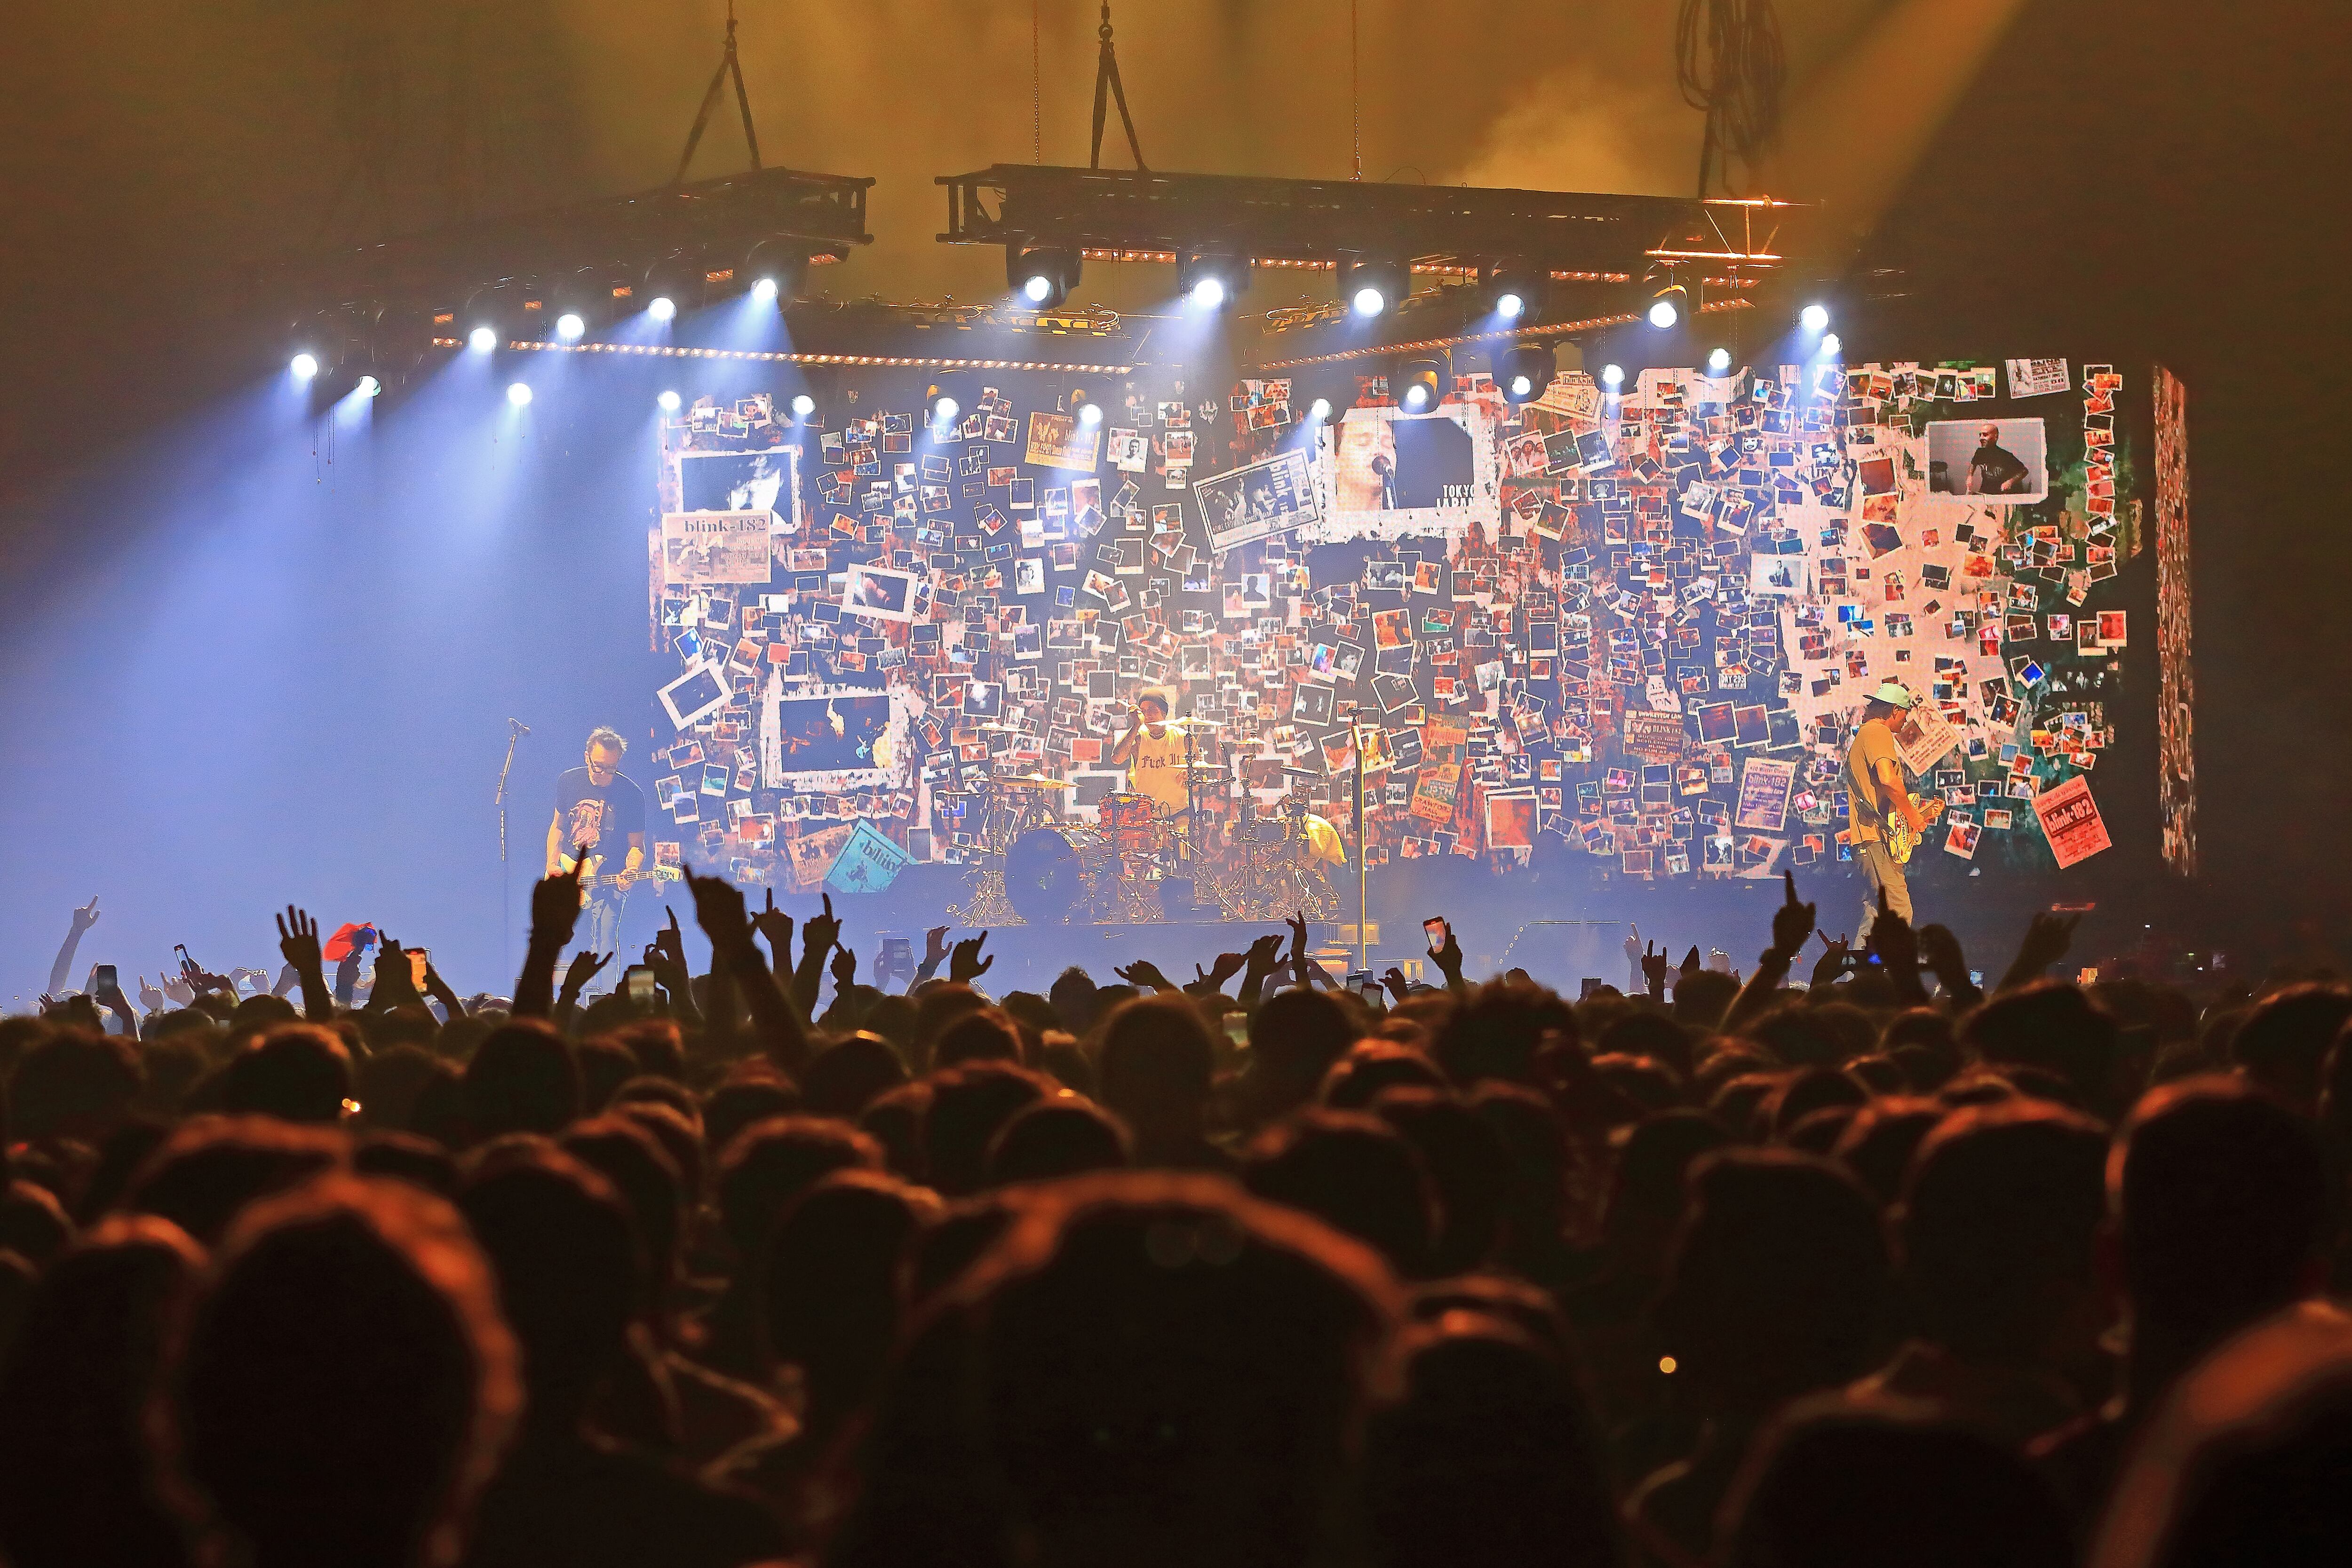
1884, 819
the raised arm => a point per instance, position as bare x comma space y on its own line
1793, 922
719, 909
554, 911
2046, 942
298, 939
818, 933
83, 919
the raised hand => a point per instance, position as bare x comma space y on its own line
1262, 955
935, 948
820, 932
1448, 958
1654, 968
1892, 938
1144, 975
395, 984
86, 917
1398, 986
555, 904
2047, 939
1834, 960
151, 998
1941, 952
966, 964
1793, 922
177, 989
298, 939
585, 966
1690, 961
844, 969
719, 910
775, 926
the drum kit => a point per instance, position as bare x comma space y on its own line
1139, 861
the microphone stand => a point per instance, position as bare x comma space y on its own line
516, 730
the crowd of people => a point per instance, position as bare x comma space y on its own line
1867, 1268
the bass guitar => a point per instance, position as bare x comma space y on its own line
596, 877
1900, 840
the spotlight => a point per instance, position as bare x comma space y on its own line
672, 285
1668, 306
1372, 287
1089, 413
570, 326
669, 401
940, 406
803, 406
661, 308
1718, 360
1830, 347
304, 365
1419, 385
1318, 411
580, 301
1523, 371
778, 269
1043, 275
494, 316
1613, 376
1814, 318
482, 340
1212, 279
1514, 289
368, 386
518, 393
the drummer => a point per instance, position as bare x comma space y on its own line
1153, 753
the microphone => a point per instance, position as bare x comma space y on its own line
520, 727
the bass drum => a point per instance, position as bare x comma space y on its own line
1042, 878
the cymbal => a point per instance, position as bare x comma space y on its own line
996, 729
1033, 781
1194, 724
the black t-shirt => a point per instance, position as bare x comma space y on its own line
2001, 468
589, 810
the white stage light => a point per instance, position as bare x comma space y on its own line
570, 326
1319, 410
482, 340
518, 393
1613, 376
1663, 314
803, 406
669, 401
764, 289
1038, 290
945, 410
1718, 360
661, 308
1830, 347
368, 386
1509, 305
1370, 302
1089, 413
1523, 386
1416, 397
1814, 318
304, 367
1208, 293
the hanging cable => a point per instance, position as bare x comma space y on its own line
1737, 84
1355, 95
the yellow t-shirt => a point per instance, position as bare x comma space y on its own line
1872, 744
1158, 768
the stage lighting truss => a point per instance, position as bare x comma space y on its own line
1042, 276
1522, 371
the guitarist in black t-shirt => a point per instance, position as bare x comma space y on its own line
598, 808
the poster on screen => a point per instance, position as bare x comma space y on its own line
2070, 820
700, 548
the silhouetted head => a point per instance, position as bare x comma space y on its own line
940, 1004
1157, 1064
568, 1265
297, 1072
389, 1085
417, 1161
1807, 1090
1468, 1168
1064, 1136
69, 1084
1147, 1369
522, 1078
1373, 1068
1498, 1030
73, 1397
2249, 1459
1646, 1194
771, 1163
1777, 1281
986, 1033
1483, 1451
1878, 1143
212, 1166
1834, 1484
2220, 1194
847, 1076
2284, 1040
1294, 1038
969, 1104
1352, 1171
1073, 997
343, 1386
753, 1096
33, 1223
2051, 1026
835, 1283
640, 1170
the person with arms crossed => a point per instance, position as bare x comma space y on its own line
598, 808
1876, 796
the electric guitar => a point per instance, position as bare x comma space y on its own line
596, 878
1900, 840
